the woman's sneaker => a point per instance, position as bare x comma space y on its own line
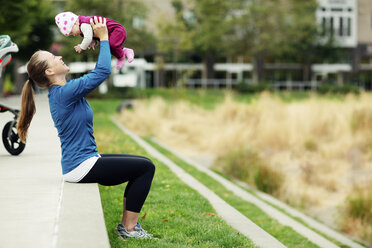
138, 227
138, 232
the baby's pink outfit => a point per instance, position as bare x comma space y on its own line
117, 36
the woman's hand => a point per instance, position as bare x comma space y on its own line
99, 28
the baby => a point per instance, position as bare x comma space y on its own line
71, 24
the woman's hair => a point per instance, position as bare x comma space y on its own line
36, 73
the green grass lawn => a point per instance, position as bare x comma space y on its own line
173, 212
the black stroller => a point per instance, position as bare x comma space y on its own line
10, 136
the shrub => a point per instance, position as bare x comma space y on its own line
324, 88
357, 212
249, 88
310, 145
359, 203
361, 120
246, 165
268, 180
338, 89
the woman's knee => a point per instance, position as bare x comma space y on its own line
151, 167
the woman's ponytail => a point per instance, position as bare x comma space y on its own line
36, 68
28, 110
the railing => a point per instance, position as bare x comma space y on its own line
211, 83
294, 85
229, 83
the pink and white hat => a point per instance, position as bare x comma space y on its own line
65, 21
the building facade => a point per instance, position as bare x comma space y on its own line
365, 31
339, 19
349, 22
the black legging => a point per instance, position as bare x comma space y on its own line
114, 169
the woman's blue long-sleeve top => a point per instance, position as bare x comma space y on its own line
72, 114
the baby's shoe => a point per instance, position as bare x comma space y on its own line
129, 53
120, 62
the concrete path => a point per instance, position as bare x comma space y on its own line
233, 217
36, 208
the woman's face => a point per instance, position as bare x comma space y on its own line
56, 64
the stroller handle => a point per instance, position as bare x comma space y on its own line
7, 46
4, 108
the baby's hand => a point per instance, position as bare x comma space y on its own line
78, 48
92, 44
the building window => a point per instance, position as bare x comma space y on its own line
341, 28
336, 9
324, 26
349, 26
331, 26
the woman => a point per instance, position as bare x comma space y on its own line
73, 119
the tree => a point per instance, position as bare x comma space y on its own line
174, 37
254, 31
209, 35
273, 28
28, 23
200, 28
300, 34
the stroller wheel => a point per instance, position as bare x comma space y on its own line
11, 139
